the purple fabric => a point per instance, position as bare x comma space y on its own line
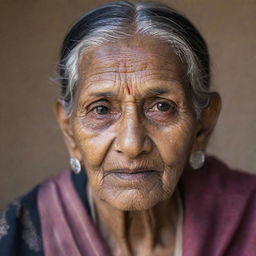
219, 215
219, 211
67, 229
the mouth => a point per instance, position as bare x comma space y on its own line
134, 174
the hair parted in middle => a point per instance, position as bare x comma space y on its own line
119, 20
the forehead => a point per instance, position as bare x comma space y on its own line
139, 58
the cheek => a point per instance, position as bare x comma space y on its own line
93, 145
174, 144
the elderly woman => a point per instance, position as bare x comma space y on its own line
136, 112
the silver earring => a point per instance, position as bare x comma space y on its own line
75, 165
197, 159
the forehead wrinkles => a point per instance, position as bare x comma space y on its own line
127, 60
119, 62
141, 67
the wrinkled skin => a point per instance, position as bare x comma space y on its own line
133, 128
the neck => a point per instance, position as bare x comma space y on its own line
138, 232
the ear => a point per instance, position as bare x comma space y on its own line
207, 122
64, 121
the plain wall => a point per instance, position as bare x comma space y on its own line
31, 32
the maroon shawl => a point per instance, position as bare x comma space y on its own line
219, 215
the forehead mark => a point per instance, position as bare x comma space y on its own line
128, 90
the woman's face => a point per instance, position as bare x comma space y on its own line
133, 125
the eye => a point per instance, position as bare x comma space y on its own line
100, 114
163, 106
101, 110
162, 111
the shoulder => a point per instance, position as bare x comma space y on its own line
20, 227
216, 185
220, 204
217, 177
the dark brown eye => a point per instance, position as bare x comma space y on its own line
163, 106
162, 111
101, 110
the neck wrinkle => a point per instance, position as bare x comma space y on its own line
138, 231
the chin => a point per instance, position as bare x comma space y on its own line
134, 200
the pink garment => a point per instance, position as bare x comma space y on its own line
67, 229
219, 215
219, 211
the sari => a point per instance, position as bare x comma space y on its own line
219, 216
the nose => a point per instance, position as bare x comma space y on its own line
132, 139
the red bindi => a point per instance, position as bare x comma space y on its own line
129, 91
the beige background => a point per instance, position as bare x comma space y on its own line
31, 31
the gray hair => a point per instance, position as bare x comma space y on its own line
120, 20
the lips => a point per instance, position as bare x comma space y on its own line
133, 174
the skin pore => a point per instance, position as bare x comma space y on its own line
133, 128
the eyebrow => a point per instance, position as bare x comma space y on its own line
102, 94
157, 91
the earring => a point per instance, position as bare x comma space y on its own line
75, 165
197, 159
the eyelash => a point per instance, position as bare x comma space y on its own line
94, 105
171, 103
